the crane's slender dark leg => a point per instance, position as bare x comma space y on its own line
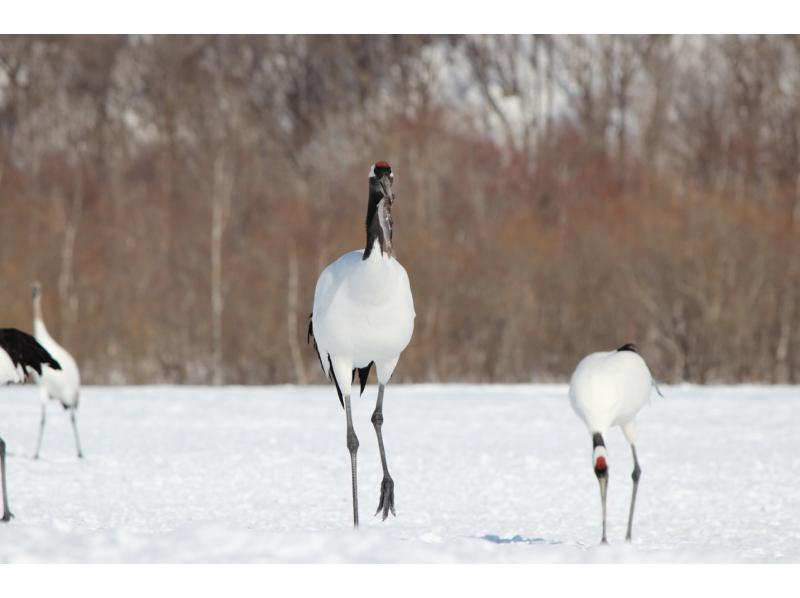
637, 472
75, 429
601, 471
386, 503
41, 430
6, 514
352, 446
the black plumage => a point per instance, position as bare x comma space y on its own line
25, 351
310, 337
374, 230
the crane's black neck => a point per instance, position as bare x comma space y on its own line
379, 220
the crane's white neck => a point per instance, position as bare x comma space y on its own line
39, 328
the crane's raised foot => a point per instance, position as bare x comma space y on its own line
386, 503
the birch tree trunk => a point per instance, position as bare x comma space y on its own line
67, 298
220, 211
783, 373
291, 321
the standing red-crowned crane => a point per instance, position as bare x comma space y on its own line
364, 316
608, 389
20, 356
63, 385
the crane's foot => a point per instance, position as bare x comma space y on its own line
7, 516
386, 503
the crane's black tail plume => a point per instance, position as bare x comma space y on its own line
25, 351
363, 374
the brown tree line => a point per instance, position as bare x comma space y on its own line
178, 197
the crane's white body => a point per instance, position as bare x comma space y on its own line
363, 312
609, 388
59, 385
9, 373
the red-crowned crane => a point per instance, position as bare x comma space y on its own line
63, 385
364, 316
20, 356
608, 389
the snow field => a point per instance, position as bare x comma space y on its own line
483, 473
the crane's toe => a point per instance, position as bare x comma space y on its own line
7, 516
386, 503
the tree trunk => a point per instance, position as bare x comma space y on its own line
220, 210
783, 371
67, 299
291, 321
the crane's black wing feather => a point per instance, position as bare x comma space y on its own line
25, 351
310, 337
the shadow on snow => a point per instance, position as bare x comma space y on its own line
495, 539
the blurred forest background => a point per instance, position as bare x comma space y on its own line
178, 197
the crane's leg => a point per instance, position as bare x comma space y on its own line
386, 503
6, 514
41, 430
630, 434
637, 472
601, 471
341, 371
352, 446
75, 429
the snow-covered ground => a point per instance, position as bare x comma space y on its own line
482, 474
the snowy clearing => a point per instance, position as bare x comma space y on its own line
482, 474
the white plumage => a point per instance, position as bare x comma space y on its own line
59, 385
608, 389
11, 373
62, 385
364, 315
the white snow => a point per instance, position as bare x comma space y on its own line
482, 474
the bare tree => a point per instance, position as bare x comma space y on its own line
181, 193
